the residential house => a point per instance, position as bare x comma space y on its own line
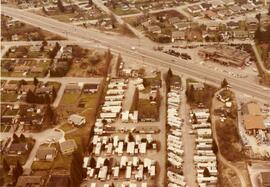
248, 7
27, 87
217, 4
36, 69
182, 26
154, 29
21, 69
194, 9
178, 35
228, 2
18, 148
76, 120
236, 9
232, 25
73, 88
240, 34
27, 181
174, 20
68, 146
264, 179
90, 88
206, 6
210, 14
46, 154
8, 87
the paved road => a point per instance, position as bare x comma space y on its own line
188, 142
123, 44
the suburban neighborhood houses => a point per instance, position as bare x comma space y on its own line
117, 93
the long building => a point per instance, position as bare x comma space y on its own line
226, 55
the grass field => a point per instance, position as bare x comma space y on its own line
70, 98
8, 97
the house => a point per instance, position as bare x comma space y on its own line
27, 87
264, 179
181, 26
174, 20
217, 4
224, 13
228, 2
154, 29
18, 148
240, 34
46, 154
236, 9
77, 120
253, 123
73, 88
194, 9
90, 88
68, 146
36, 69
206, 6
248, 7
44, 90
15, 37
26, 181
21, 69
214, 26
210, 14
10, 87
178, 35
232, 25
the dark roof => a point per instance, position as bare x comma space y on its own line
42, 152
26, 181
58, 181
90, 86
265, 178
18, 147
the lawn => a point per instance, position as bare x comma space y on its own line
90, 100
121, 12
41, 165
5, 128
70, 98
66, 127
147, 110
9, 97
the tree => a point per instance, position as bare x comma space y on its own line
208, 120
22, 82
60, 6
268, 10
206, 172
17, 172
50, 115
16, 138
35, 81
30, 97
224, 83
258, 17
22, 138
44, 43
135, 101
90, 2
215, 147
76, 170
194, 119
6, 166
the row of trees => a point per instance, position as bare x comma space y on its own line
77, 173
16, 172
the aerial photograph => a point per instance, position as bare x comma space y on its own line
135, 93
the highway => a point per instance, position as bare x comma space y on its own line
144, 50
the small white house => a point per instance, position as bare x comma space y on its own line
76, 120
